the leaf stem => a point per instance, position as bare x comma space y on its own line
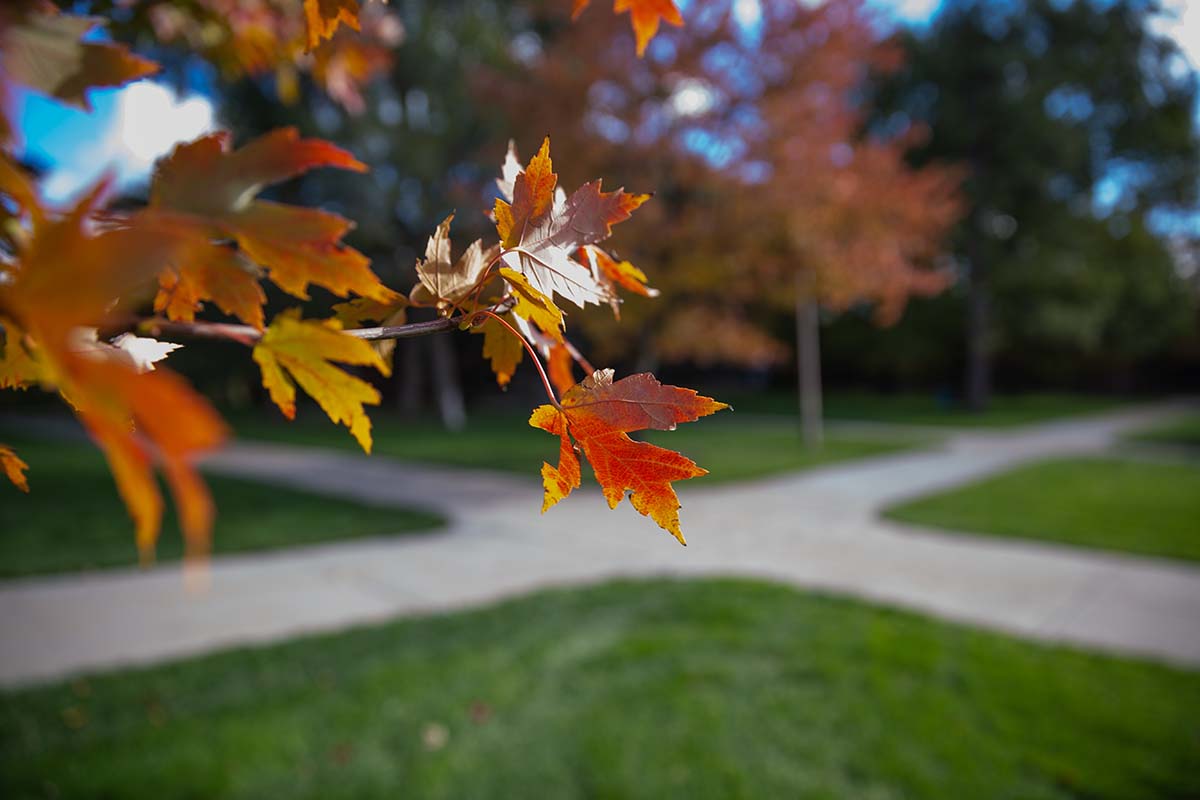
537, 362
483, 278
580, 359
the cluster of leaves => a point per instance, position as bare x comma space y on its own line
72, 283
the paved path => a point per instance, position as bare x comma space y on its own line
817, 529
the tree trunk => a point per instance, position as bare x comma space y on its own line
978, 388
446, 384
808, 362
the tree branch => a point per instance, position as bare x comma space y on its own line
248, 335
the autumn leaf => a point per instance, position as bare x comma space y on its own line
43, 50
139, 352
541, 228
142, 351
560, 366
644, 14
324, 16
532, 196
354, 313
509, 171
298, 246
114, 402
597, 414
14, 468
612, 273
303, 350
134, 417
19, 368
212, 272
502, 348
48, 295
532, 305
443, 281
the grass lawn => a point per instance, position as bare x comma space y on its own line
72, 519
1183, 431
658, 689
929, 409
1136, 506
728, 447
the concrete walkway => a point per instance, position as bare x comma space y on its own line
817, 529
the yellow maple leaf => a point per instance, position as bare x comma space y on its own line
304, 349
532, 305
502, 348
355, 312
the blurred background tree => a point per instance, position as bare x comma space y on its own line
1077, 122
770, 198
791, 148
411, 117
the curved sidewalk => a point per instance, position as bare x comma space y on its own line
817, 529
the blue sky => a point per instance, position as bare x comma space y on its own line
133, 126
128, 129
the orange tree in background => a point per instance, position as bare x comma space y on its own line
770, 194
848, 221
76, 283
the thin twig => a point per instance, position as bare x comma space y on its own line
248, 335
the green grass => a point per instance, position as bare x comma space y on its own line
1136, 506
929, 409
660, 689
1183, 431
729, 447
72, 519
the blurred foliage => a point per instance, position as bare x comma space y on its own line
1050, 105
748, 134
1077, 122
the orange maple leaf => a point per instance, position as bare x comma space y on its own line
132, 416
115, 402
216, 273
560, 366
532, 195
298, 246
645, 16
598, 414
612, 273
324, 16
19, 368
42, 49
14, 467
542, 227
